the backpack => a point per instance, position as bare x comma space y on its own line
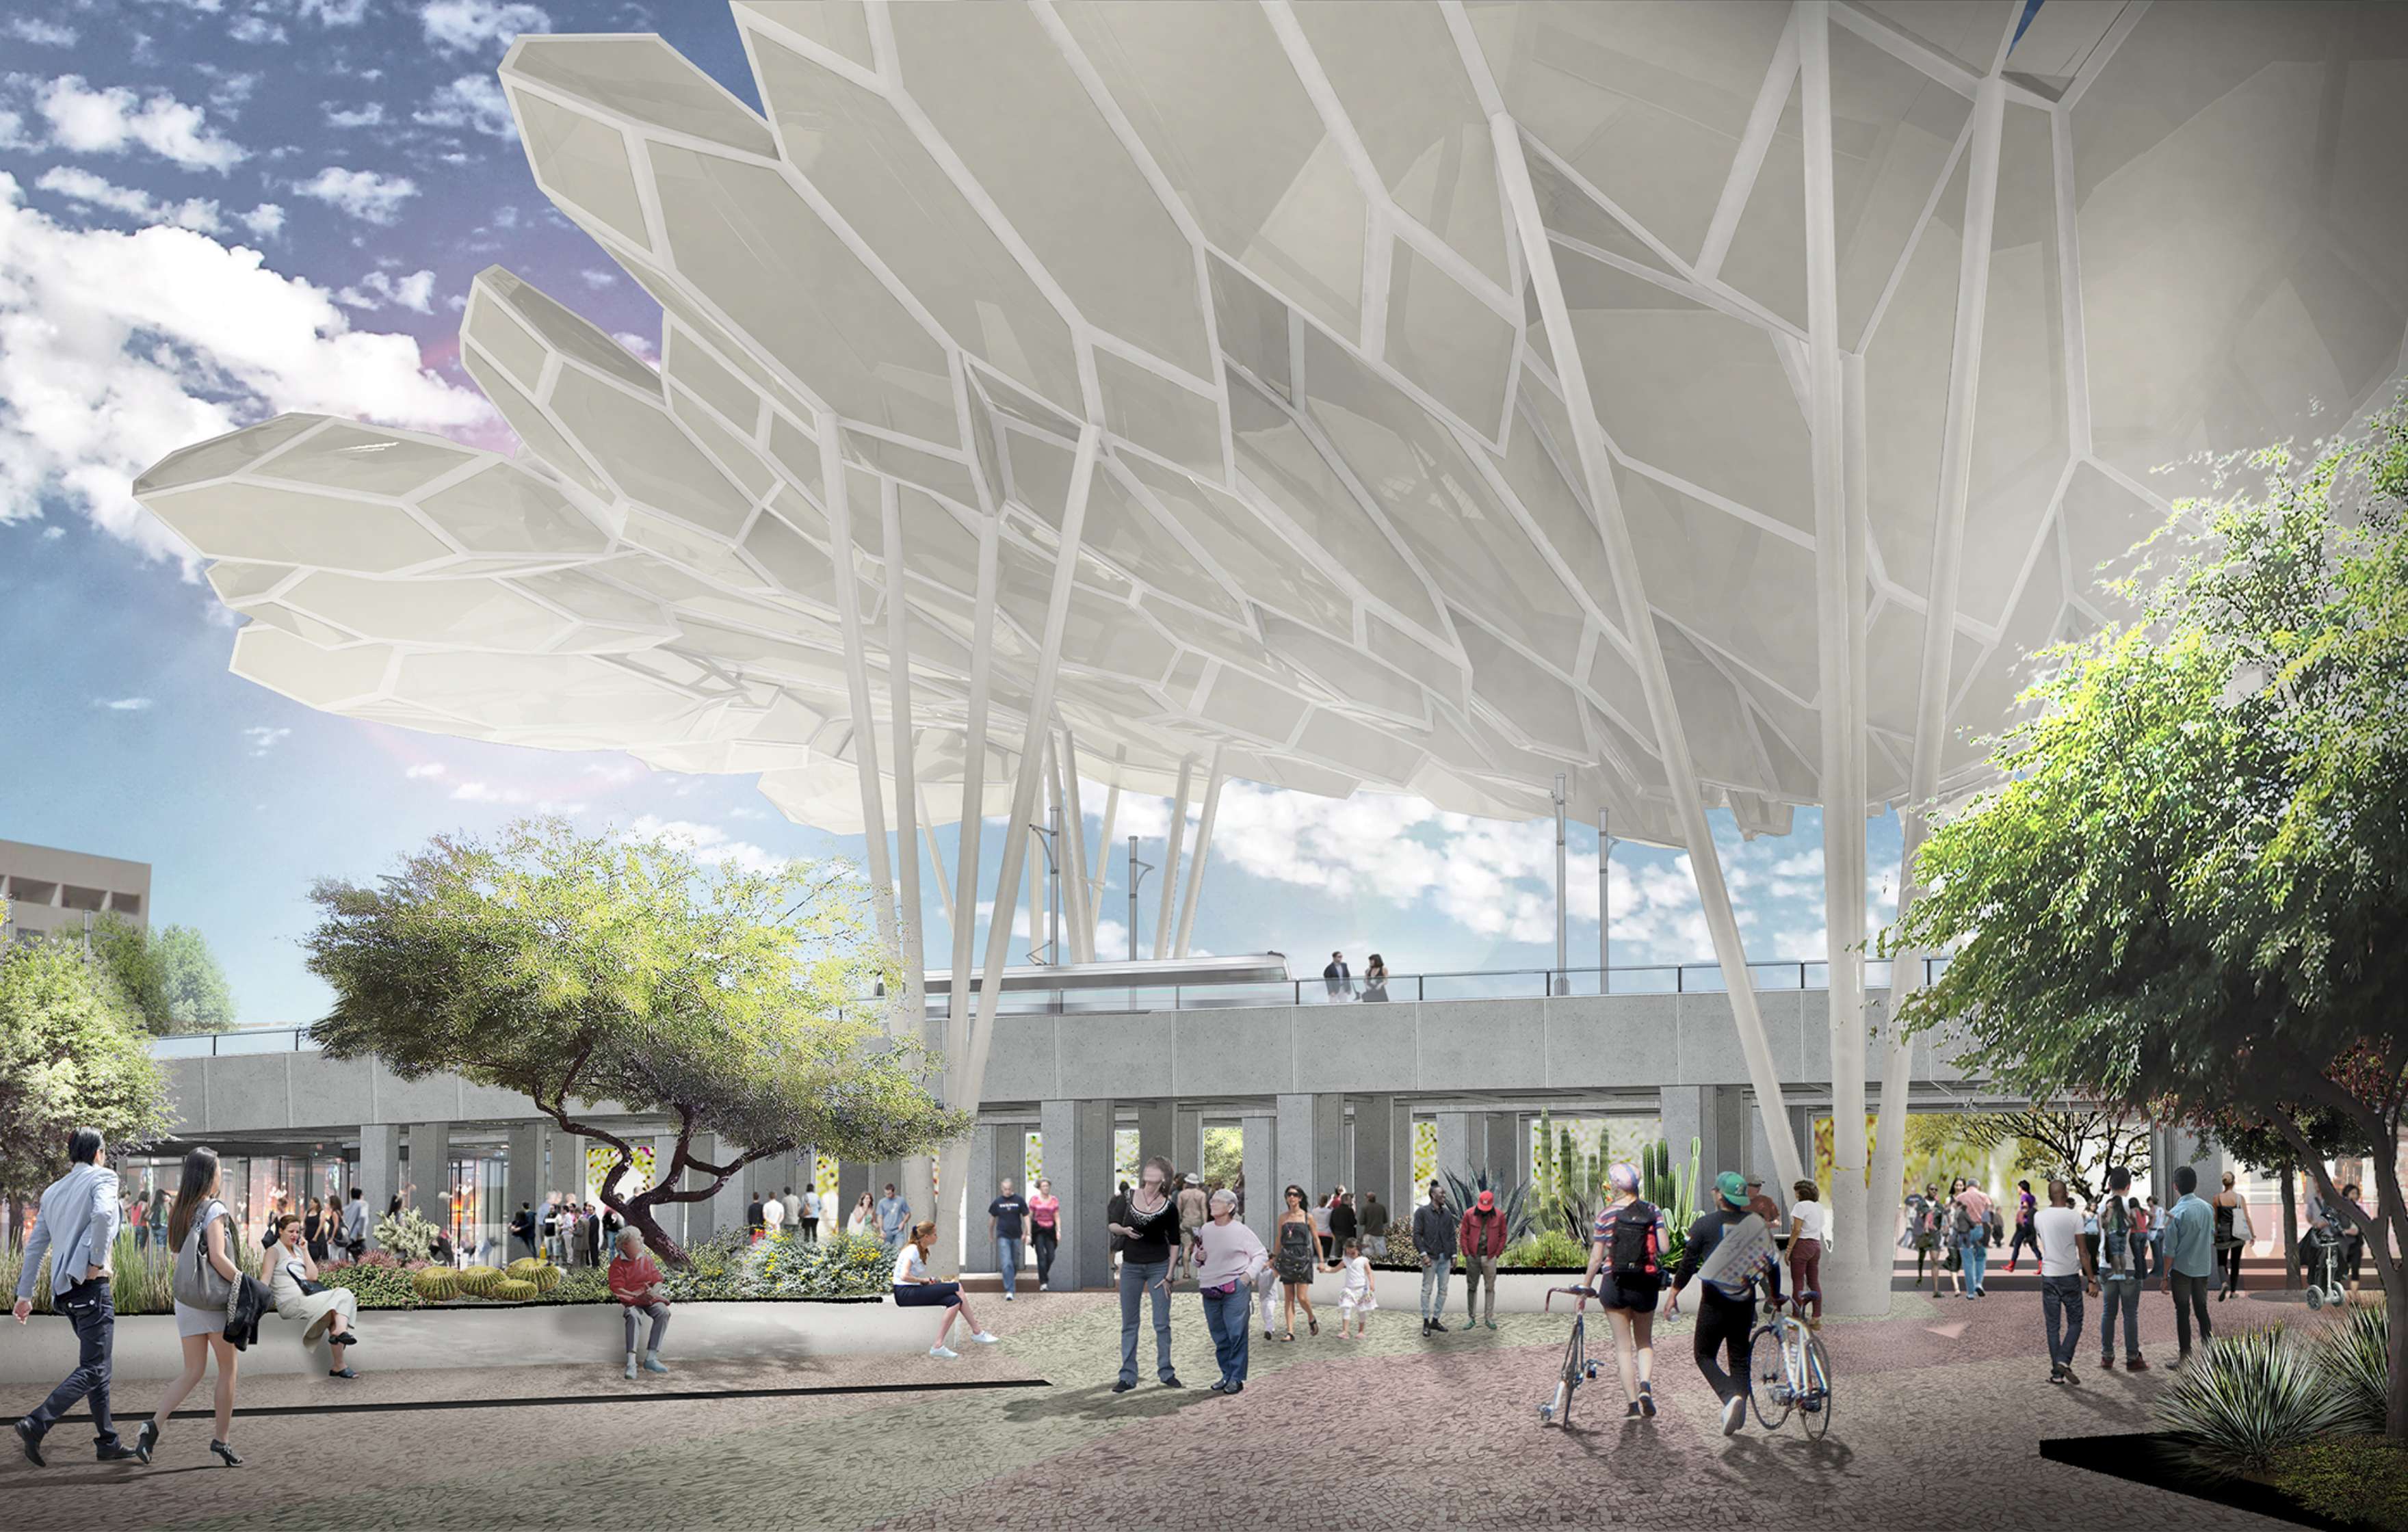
1633, 1252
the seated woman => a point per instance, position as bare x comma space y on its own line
330, 1308
913, 1290
635, 1281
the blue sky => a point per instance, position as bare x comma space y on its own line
216, 210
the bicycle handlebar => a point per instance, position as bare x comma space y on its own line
1546, 1304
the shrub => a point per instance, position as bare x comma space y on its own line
2354, 1357
1547, 1248
838, 1266
436, 1284
580, 1285
406, 1235
511, 1290
478, 1282
382, 1285
2245, 1397
2361, 1479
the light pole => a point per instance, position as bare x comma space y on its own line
1136, 871
1562, 984
1604, 907
1041, 835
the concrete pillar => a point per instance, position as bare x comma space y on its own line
701, 1217
1257, 1153
976, 1253
852, 1179
522, 1174
1187, 1140
1376, 1168
1079, 1161
379, 1175
1456, 1150
1308, 1142
430, 1171
1155, 1135
727, 1203
1733, 1106
1497, 1150
1688, 1116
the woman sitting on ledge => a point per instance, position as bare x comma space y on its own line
637, 1282
330, 1311
913, 1290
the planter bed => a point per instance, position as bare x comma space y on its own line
2149, 1458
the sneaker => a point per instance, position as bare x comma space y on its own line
1439, 1327
944, 1353
2055, 1374
986, 1337
653, 1361
2073, 1377
1007, 1297
1236, 1388
1490, 1324
1734, 1414
1647, 1400
2136, 1363
114, 1452
1219, 1385
1266, 1335
631, 1367
1631, 1410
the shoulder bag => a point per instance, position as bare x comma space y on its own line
198, 1284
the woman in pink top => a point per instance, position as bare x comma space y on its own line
1976, 1252
1045, 1219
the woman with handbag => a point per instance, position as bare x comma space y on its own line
299, 1297
206, 1281
1225, 1255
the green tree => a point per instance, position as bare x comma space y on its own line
2258, 1144
122, 952
2066, 1143
2185, 898
583, 970
72, 1054
194, 988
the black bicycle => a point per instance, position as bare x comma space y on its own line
1577, 1368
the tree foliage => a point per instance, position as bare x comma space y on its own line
168, 976
603, 977
73, 1054
2068, 1144
2186, 897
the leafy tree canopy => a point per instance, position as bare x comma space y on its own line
72, 1054
168, 976
580, 971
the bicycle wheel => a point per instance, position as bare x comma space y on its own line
1818, 1384
1575, 1358
1768, 1377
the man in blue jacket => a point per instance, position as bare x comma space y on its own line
2190, 1255
77, 1226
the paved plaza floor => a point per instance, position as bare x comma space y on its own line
1941, 1409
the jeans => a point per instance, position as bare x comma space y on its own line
2123, 1293
2231, 1264
1046, 1241
1434, 1287
1007, 1260
2190, 1296
1226, 1316
2024, 1236
1723, 1325
1806, 1271
1976, 1252
2060, 1302
89, 1308
660, 1313
1136, 1279
1479, 1277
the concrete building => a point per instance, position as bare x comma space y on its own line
48, 889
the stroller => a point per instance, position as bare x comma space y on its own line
2320, 1255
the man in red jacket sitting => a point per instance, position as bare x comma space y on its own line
1482, 1240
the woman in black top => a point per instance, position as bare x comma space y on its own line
1146, 1222
1342, 1225
1296, 1259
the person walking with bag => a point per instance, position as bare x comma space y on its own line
2232, 1236
1224, 1254
2122, 1265
77, 1226
1625, 1270
206, 1282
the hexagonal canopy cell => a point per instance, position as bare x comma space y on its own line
506, 509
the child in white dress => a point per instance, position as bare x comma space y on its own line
1356, 1302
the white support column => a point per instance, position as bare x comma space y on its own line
966, 1066
1170, 874
1840, 621
936, 857
1622, 559
1203, 849
1939, 619
1076, 912
919, 1170
1103, 863
856, 667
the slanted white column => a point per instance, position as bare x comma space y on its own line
1170, 874
919, 1170
1203, 847
856, 667
1076, 912
1938, 634
936, 858
1622, 560
1103, 863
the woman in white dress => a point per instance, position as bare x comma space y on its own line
863, 1220
198, 1233
334, 1311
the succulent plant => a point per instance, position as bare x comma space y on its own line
522, 1265
542, 1275
436, 1283
511, 1290
478, 1282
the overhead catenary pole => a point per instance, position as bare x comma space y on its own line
1939, 623
1622, 561
1212, 785
1177, 833
1076, 886
1137, 869
856, 670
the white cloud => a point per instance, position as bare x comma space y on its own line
642, 345
12, 131
424, 771
336, 12
112, 120
471, 101
486, 793
367, 195
123, 705
42, 34
116, 349
480, 793
265, 220
595, 277
414, 292
710, 845
255, 29
80, 185
368, 116
265, 738
463, 26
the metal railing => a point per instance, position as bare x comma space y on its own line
1474, 984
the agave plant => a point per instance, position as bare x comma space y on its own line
2354, 1357
1513, 1203
2245, 1397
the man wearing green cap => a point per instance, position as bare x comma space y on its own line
1723, 1320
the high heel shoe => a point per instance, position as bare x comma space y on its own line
226, 1452
145, 1439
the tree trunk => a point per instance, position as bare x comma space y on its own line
2395, 1310
638, 1214
2290, 1228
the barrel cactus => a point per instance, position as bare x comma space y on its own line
511, 1290
436, 1283
522, 1265
543, 1277
478, 1282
